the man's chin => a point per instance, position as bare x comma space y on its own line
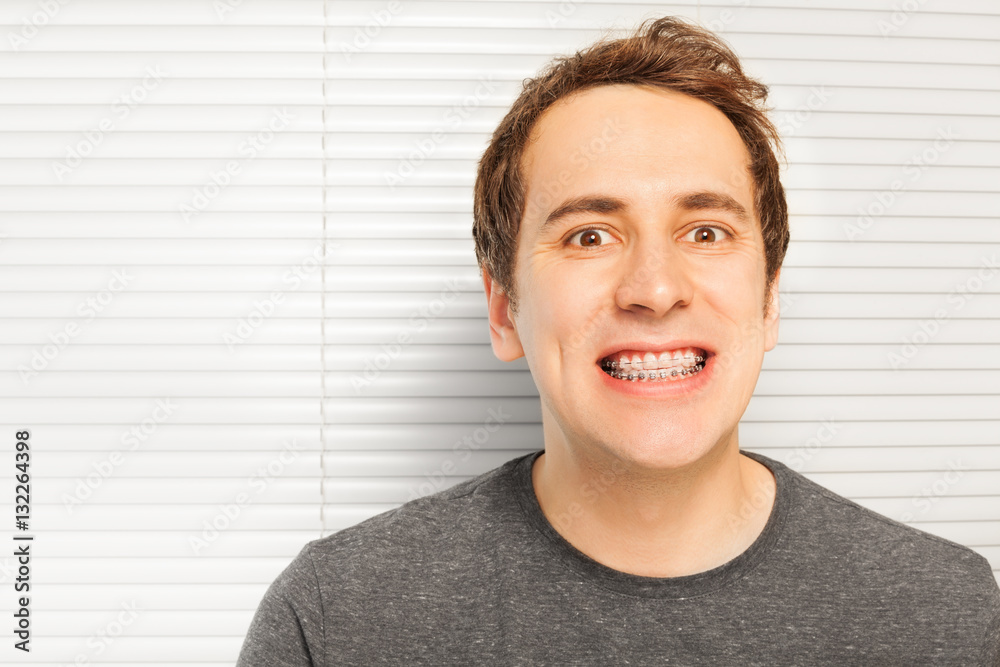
657, 450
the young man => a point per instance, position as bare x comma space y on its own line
630, 226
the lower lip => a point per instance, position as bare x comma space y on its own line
669, 388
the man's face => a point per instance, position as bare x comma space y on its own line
639, 244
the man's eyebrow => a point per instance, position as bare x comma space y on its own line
583, 204
709, 200
691, 201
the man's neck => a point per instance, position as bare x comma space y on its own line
669, 524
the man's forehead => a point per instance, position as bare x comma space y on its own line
619, 137
615, 109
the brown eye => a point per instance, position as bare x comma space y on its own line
705, 234
590, 238
708, 235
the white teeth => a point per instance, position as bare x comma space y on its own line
640, 362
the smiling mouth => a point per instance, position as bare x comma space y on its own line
672, 366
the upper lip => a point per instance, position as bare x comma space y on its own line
654, 346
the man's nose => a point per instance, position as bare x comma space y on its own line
654, 279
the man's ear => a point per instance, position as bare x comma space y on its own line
503, 332
773, 315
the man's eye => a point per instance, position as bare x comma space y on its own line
707, 234
589, 238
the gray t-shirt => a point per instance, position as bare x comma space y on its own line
476, 575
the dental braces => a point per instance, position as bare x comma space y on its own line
653, 376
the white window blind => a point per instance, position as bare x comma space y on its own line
199, 360
162, 197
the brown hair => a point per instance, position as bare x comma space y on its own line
667, 53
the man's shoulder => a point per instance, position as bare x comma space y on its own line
427, 555
844, 534
453, 520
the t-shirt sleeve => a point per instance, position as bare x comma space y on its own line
991, 650
287, 629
